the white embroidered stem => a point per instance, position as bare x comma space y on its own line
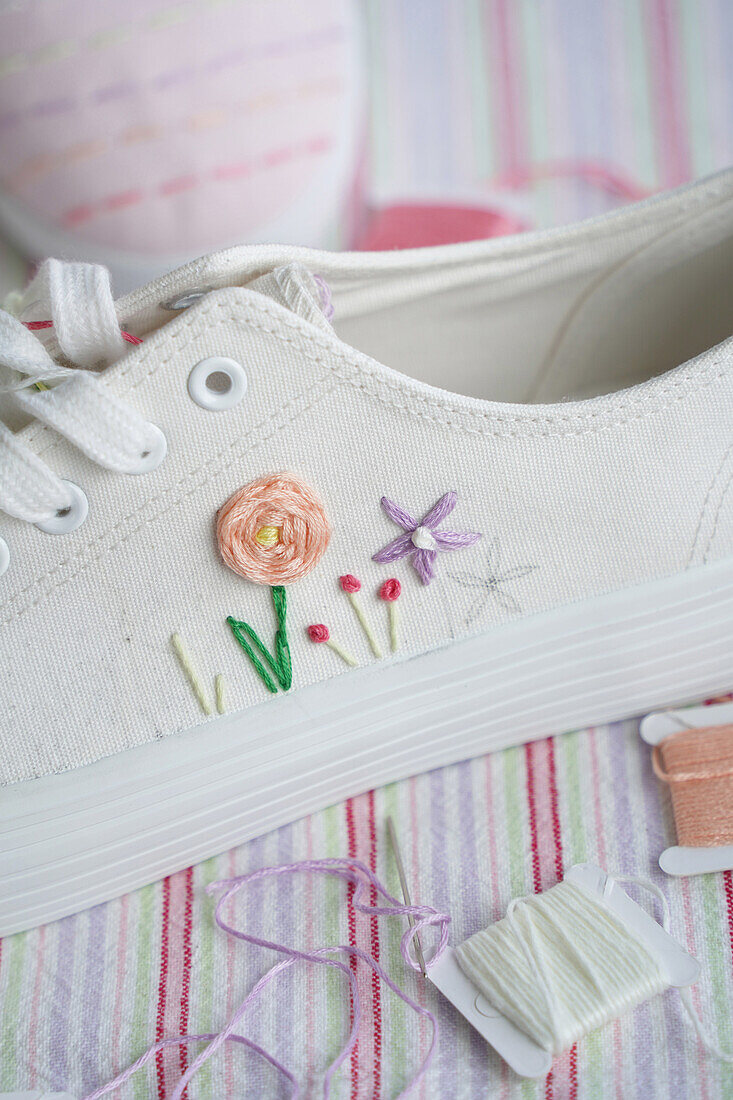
220, 691
359, 611
394, 622
342, 653
185, 661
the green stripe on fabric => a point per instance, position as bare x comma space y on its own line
718, 962
484, 161
575, 844
333, 908
695, 87
531, 18
515, 834
639, 78
574, 840
204, 979
140, 1034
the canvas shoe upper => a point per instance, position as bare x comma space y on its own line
548, 417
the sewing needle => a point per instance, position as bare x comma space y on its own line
392, 834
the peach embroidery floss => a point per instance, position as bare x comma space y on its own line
697, 765
273, 531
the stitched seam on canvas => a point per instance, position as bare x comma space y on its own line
708, 495
677, 390
82, 557
684, 385
453, 417
370, 386
718, 512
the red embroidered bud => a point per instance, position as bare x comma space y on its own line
319, 632
350, 583
390, 590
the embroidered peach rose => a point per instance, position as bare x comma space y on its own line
273, 531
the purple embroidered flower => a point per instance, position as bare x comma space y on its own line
422, 537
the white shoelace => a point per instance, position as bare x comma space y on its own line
78, 404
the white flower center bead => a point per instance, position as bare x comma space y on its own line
422, 538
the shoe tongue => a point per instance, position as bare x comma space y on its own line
296, 288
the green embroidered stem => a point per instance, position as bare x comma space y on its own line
281, 664
282, 648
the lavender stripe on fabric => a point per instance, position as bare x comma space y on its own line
58, 1033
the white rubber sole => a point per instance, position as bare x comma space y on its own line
72, 840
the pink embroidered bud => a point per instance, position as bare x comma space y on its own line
319, 632
350, 583
390, 590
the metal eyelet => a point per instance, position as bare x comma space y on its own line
217, 383
69, 518
184, 301
4, 556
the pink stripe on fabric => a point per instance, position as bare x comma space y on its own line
668, 94
160, 1059
507, 71
541, 797
365, 1063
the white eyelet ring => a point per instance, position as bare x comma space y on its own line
217, 383
154, 453
67, 519
4, 556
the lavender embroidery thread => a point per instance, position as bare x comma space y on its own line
351, 871
423, 538
324, 292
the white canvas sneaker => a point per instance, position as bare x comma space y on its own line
499, 483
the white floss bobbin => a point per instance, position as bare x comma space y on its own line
560, 965
703, 788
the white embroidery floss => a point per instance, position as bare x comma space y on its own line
559, 965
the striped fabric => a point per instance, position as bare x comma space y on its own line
467, 94
472, 94
83, 997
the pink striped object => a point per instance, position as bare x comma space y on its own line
144, 135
